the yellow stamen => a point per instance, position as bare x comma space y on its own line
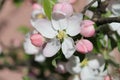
61, 35
40, 16
84, 62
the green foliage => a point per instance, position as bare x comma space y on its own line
26, 78
18, 2
54, 63
48, 5
23, 29
107, 14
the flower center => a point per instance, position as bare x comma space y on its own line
61, 35
84, 62
40, 16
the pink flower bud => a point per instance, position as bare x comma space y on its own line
36, 6
87, 28
61, 68
63, 8
84, 46
107, 78
37, 40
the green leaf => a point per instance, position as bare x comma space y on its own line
47, 5
18, 3
106, 65
109, 45
54, 63
26, 78
23, 29
107, 14
118, 45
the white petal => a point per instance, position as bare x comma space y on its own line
114, 26
102, 71
28, 47
39, 57
93, 5
60, 24
44, 27
68, 47
116, 9
74, 25
55, 24
73, 69
87, 74
118, 31
89, 14
73, 65
94, 64
76, 77
51, 48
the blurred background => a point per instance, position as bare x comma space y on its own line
14, 24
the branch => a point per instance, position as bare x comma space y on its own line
89, 5
107, 20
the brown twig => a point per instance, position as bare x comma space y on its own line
107, 20
89, 5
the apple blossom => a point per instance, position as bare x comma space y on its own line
57, 31
92, 72
64, 8
29, 47
32, 50
87, 28
37, 40
84, 46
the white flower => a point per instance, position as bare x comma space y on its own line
115, 26
93, 71
115, 8
29, 47
95, 4
57, 30
73, 65
32, 50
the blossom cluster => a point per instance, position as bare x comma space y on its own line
57, 33
66, 33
